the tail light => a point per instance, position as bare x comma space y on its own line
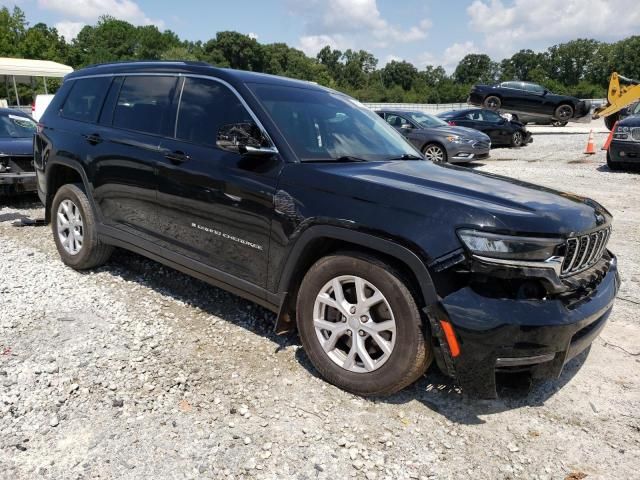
33, 108
452, 123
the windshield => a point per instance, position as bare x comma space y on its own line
427, 121
324, 126
16, 126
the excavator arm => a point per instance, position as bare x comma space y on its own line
619, 96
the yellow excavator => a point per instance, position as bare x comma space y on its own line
620, 96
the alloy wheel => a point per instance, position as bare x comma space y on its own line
564, 112
70, 227
434, 153
354, 324
517, 139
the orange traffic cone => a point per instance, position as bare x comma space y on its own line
591, 148
610, 137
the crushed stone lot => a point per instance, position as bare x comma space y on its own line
135, 371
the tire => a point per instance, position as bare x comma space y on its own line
435, 152
408, 353
86, 251
558, 123
563, 112
517, 139
492, 103
611, 120
611, 164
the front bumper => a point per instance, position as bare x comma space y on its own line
501, 334
624, 152
17, 182
464, 154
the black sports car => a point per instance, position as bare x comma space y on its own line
17, 173
501, 131
529, 98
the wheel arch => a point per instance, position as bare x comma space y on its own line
60, 173
322, 240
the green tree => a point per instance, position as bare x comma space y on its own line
399, 73
110, 40
13, 26
475, 68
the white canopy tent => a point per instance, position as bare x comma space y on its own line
28, 69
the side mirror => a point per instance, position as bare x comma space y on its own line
406, 126
244, 138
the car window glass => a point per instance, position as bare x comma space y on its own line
491, 117
85, 99
396, 121
16, 126
144, 104
477, 116
205, 106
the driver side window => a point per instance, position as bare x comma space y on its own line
397, 121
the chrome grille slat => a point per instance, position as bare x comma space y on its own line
635, 133
583, 251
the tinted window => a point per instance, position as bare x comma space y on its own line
205, 106
532, 87
426, 120
144, 105
491, 117
85, 99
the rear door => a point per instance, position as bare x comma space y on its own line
216, 206
126, 150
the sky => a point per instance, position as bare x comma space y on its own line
424, 32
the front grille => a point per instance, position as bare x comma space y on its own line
20, 163
481, 145
635, 134
584, 251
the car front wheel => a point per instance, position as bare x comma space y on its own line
564, 113
517, 139
74, 229
360, 325
435, 153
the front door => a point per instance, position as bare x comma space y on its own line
216, 206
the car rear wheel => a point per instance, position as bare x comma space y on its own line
74, 229
564, 113
435, 153
517, 139
492, 102
558, 123
360, 325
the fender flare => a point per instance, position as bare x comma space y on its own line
372, 242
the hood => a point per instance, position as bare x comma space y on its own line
460, 131
457, 197
16, 146
632, 121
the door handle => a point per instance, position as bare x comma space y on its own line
177, 156
93, 138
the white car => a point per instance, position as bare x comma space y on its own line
40, 105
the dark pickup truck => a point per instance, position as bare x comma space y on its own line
299, 198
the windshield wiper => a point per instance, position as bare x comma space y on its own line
406, 156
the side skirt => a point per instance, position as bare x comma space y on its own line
213, 276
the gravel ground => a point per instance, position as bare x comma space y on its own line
136, 371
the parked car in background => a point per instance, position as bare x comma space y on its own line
436, 139
40, 104
17, 173
530, 98
624, 150
501, 131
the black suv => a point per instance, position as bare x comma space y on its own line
302, 200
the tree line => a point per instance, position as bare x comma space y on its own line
580, 67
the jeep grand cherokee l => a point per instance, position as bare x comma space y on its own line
299, 198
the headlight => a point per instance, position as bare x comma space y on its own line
458, 139
485, 244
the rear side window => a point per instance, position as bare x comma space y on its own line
205, 106
145, 104
85, 99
